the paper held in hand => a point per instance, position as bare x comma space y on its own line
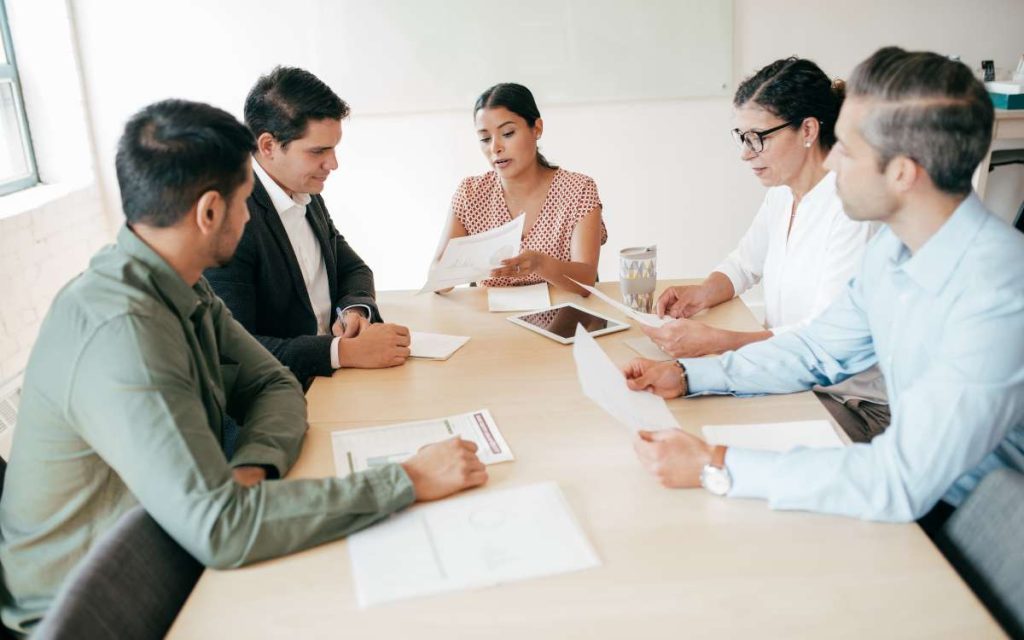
360, 449
649, 319
471, 258
476, 540
603, 383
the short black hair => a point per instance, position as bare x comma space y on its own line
928, 108
172, 152
794, 89
283, 102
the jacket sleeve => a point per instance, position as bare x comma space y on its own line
355, 278
235, 283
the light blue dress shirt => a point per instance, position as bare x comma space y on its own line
946, 326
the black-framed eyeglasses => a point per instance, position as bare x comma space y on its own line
754, 140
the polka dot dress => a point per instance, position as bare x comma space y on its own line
479, 204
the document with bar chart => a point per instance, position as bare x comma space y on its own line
361, 449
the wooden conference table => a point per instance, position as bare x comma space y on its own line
676, 563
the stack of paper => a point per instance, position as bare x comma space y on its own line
649, 319
774, 436
434, 346
528, 298
478, 540
472, 258
360, 449
603, 383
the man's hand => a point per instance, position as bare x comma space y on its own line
444, 468
682, 301
661, 378
350, 324
684, 338
248, 476
675, 457
376, 347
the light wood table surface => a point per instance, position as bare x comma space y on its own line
676, 563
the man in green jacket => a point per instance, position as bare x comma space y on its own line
134, 370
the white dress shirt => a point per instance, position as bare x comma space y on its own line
946, 326
805, 272
307, 251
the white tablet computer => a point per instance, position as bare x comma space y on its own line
559, 322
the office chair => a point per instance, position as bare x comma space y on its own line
130, 585
982, 540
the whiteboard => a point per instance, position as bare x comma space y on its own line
427, 55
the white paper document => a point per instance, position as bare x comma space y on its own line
477, 540
648, 349
360, 449
434, 346
603, 383
649, 319
775, 436
528, 298
471, 258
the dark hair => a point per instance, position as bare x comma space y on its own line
517, 99
283, 102
928, 108
172, 152
794, 89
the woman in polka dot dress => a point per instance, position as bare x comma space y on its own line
563, 230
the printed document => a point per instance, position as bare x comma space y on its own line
480, 539
603, 383
360, 449
649, 319
775, 436
471, 258
434, 346
528, 298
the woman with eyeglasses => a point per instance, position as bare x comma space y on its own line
801, 246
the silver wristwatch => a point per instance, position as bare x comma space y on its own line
715, 476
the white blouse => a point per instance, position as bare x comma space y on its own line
803, 274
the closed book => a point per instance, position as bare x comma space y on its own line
1004, 86
1007, 101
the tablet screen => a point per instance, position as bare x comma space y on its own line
562, 321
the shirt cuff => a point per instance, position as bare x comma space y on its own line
751, 472
335, 364
366, 308
704, 376
391, 486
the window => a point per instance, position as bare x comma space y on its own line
17, 164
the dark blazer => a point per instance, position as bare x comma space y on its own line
264, 289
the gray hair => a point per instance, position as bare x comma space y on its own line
928, 108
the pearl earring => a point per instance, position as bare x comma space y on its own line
807, 144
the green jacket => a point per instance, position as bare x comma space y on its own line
123, 402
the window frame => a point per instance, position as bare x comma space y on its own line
9, 73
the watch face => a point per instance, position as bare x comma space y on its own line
716, 480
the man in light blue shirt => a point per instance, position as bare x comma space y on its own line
938, 304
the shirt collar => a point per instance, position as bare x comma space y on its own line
935, 262
281, 200
175, 291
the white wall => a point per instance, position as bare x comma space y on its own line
667, 171
47, 233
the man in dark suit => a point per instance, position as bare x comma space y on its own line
294, 282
